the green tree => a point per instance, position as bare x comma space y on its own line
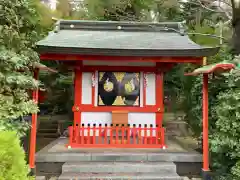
225, 136
45, 15
64, 8
12, 158
116, 10
19, 30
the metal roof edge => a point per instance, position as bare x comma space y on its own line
120, 25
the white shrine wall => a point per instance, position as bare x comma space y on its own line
106, 117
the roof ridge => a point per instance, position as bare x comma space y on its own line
120, 26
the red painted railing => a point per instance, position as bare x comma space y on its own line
116, 136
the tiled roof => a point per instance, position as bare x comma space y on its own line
121, 39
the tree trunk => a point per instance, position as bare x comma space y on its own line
236, 28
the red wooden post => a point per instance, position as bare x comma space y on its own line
145, 134
159, 98
205, 127
128, 134
123, 133
105, 135
151, 134
33, 130
94, 133
77, 101
70, 129
100, 134
82, 134
139, 131
162, 130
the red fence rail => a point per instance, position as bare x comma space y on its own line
106, 136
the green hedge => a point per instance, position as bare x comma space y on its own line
12, 158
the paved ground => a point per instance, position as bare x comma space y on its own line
56, 178
59, 146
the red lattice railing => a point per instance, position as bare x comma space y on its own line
116, 136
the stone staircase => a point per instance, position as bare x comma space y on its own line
109, 168
48, 129
175, 125
119, 170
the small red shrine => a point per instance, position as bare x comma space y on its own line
119, 75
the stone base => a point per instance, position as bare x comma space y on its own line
206, 175
49, 160
40, 178
32, 172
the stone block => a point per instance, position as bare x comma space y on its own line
119, 167
40, 178
175, 157
124, 157
63, 157
122, 176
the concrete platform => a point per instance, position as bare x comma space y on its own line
120, 176
57, 152
51, 159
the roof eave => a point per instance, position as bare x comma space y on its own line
202, 52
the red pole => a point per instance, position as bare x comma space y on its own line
77, 103
33, 130
159, 98
205, 125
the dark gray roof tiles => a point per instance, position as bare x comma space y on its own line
121, 39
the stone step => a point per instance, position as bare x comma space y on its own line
48, 135
40, 178
48, 126
178, 128
119, 157
41, 130
120, 176
119, 167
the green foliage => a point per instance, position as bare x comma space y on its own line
130, 10
19, 30
192, 93
12, 158
64, 8
45, 15
203, 39
224, 116
225, 137
173, 86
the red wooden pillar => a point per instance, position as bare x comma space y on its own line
33, 131
159, 98
77, 103
205, 128
159, 103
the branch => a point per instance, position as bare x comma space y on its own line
227, 13
211, 35
212, 10
218, 1
188, 33
224, 23
207, 8
225, 2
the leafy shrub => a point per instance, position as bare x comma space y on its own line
224, 117
225, 138
12, 158
192, 92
